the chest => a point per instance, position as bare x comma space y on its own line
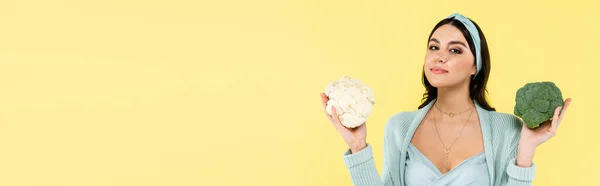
448, 143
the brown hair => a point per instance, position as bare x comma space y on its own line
477, 90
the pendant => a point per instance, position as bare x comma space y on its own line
447, 151
451, 114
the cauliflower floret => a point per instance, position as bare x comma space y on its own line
352, 99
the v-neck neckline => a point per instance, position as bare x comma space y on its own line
431, 164
485, 129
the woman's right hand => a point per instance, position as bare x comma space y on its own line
355, 137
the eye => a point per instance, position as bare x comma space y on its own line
457, 51
433, 48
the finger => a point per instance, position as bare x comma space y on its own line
328, 116
336, 118
324, 105
545, 126
323, 100
564, 110
324, 96
555, 119
334, 114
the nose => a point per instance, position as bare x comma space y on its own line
440, 57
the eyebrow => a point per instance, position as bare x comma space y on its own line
450, 43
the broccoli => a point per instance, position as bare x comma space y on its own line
536, 102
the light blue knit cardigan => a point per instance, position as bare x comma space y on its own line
501, 133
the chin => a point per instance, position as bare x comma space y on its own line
439, 81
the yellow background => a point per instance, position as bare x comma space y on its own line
222, 92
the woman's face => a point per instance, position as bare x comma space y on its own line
449, 60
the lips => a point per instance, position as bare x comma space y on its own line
438, 70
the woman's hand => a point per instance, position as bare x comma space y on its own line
355, 138
532, 138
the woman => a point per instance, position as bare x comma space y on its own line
455, 137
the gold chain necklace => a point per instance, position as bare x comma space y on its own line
451, 114
447, 150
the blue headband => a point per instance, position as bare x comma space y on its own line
474, 35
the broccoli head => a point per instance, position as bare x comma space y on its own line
535, 102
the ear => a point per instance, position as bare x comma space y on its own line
474, 70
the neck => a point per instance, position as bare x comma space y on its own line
454, 99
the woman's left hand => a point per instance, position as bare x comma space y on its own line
532, 138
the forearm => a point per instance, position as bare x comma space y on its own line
521, 169
525, 155
362, 167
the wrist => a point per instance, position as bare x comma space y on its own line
358, 146
525, 155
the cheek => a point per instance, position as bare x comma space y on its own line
429, 58
463, 64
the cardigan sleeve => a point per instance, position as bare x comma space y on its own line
521, 175
361, 164
362, 167
518, 176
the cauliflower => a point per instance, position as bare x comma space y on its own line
353, 101
536, 102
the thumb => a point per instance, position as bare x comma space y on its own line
336, 119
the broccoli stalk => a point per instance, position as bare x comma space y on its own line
536, 102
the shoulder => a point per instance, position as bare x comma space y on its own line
400, 121
402, 117
505, 129
505, 122
397, 127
